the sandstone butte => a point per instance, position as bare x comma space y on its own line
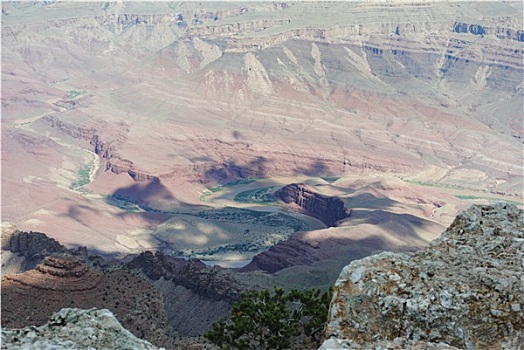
304, 199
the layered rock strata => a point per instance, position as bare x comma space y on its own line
304, 199
200, 94
293, 251
465, 290
31, 248
65, 281
75, 329
210, 282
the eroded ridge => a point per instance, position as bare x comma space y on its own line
30, 298
59, 273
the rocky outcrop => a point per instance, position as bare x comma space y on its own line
285, 254
477, 29
191, 288
30, 248
158, 265
188, 287
211, 282
65, 281
75, 329
303, 198
465, 290
31, 244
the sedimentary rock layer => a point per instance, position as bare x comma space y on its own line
195, 295
159, 101
303, 198
64, 281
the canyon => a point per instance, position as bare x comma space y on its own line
146, 141
155, 105
462, 291
62, 281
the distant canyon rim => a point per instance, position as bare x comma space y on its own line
130, 126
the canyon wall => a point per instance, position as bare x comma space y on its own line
306, 200
174, 99
191, 288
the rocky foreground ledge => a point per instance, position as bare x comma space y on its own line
75, 329
465, 290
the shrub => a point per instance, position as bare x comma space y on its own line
264, 320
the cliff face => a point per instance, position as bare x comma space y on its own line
464, 290
34, 245
28, 249
293, 251
191, 288
22, 251
329, 210
210, 282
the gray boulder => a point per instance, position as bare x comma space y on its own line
75, 329
465, 290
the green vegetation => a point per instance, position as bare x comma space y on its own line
208, 253
467, 197
427, 184
463, 197
83, 178
122, 203
74, 93
257, 195
330, 178
264, 320
203, 196
233, 183
431, 184
219, 188
246, 216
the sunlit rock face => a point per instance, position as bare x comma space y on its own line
464, 290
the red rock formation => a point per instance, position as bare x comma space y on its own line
285, 254
65, 281
304, 199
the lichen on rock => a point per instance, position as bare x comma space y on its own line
464, 290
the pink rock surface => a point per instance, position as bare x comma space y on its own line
171, 106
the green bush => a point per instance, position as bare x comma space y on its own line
264, 320
83, 179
